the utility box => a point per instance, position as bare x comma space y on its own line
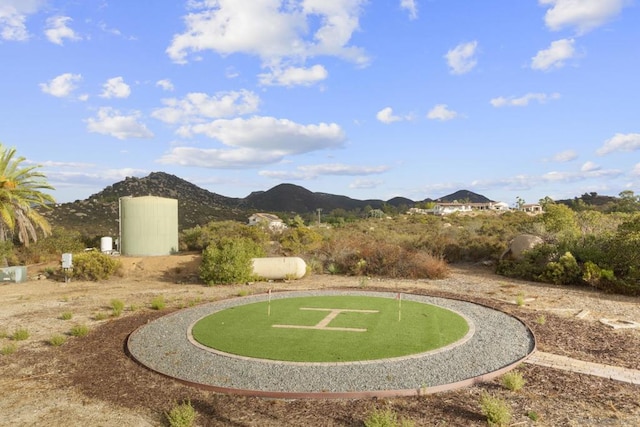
17, 274
67, 261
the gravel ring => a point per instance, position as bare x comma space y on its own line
499, 343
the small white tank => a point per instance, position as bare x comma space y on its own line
106, 245
279, 268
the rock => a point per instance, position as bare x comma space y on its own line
519, 245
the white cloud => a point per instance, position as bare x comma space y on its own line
165, 84
523, 101
636, 170
57, 30
271, 134
565, 156
309, 172
596, 173
461, 59
271, 30
587, 172
106, 29
111, 122
558, 52
589, 167
441, 112
197, 107
584, 15
342, 169
620, 142
365, 184
386, 116
219, 158
62, 85
115, 88
85, 174
411, 7
294, 76
13, 17
255, 141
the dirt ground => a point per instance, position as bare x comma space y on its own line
90, 380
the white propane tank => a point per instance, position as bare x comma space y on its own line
106, 245
279, 268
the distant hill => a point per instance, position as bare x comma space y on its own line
464, 196
98, 214
293, 198
590, 199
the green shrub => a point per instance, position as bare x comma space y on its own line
8, 349
386, 418
182, 415
229, 261
20, 334
496, 410
158, 303
563, 272
300, 240
513, 380
67, 315
116, 307
57, 340
368, 255
79, 331
531, 266
49, 248
199, 238
100, 316
94, 266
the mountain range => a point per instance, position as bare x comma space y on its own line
98, 214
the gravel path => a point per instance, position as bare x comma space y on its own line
498, 343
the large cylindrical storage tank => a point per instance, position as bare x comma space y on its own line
148, 226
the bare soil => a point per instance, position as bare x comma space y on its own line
91, 380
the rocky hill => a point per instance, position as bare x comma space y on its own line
464, 196
98, 214
293, 198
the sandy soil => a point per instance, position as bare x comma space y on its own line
91, 381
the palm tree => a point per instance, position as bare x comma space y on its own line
20, 195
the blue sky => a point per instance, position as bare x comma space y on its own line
368, 99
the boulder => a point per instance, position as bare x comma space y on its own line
519, 245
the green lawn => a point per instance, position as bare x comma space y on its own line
249, 330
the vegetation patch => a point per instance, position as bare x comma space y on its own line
8, 349
94, 266
20, 334
57, 340
67, 315
496, 410
330, 328
158, 303
79, 331
386, 418
182, 415
513, 380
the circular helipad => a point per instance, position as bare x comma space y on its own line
333, 344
